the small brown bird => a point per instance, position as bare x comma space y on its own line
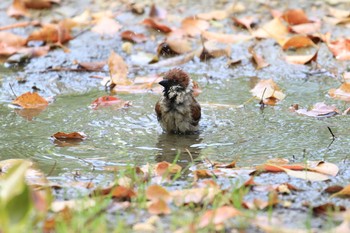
177, 110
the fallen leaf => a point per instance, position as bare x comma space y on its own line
156, 26
212, 49
301, 59
133, 37
218, 216
75, 204
156, 192
345, 192
40, 4
92, 66
258, 59
340, 48
105, 101
10, 43
193, 26
229, 165
118, 70
273, 29
213, 15
327, 208
295, 17
194, 195
175, 61
323, 167
202, 174
121, 193
338, 13
298, 42
30, 100
106, 26
341, 93
225, 38
17, 9
319, 110
69, 136
306, 175
268, 91
164, 167
245, 21
159, 207
333, 189
52, 33
306, 28
174, 46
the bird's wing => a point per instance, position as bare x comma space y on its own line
158, 111
195, 112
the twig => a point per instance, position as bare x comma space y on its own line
12, 90
330, 130
52, 169
189, 153
20, 25
262, 105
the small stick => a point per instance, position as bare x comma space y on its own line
189, 153
262, 105
52, 169
12, 90
330, 130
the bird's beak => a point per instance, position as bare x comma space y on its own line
164, 83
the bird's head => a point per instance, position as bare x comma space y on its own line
176, 81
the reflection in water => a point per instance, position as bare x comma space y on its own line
172, 144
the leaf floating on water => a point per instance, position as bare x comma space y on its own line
31, 100
319, 110
69, 136
106, 101
268, 91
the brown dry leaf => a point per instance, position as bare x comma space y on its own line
159, 207
156, 192
122, 193
258, 59
133, 37
306, 175
109, 101
69, 136
306, 28
40, 4
164, 167
10, 43
178, 46
341, 93
229, 165
333, 189
52, 33
31, 100
342, 193
202, 174
245, 21
156, 26
340, 48
92, 66
327, 208
301, 59
17, 9
212, 49
338, 13
106, 26
268, 91
323, 167
298, 42
193, 26
319, 110
295, 17
194, 195
213, 15
225, 38
175, 61
218, 216
273, 29
118, 70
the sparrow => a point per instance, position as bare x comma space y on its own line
177, 110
